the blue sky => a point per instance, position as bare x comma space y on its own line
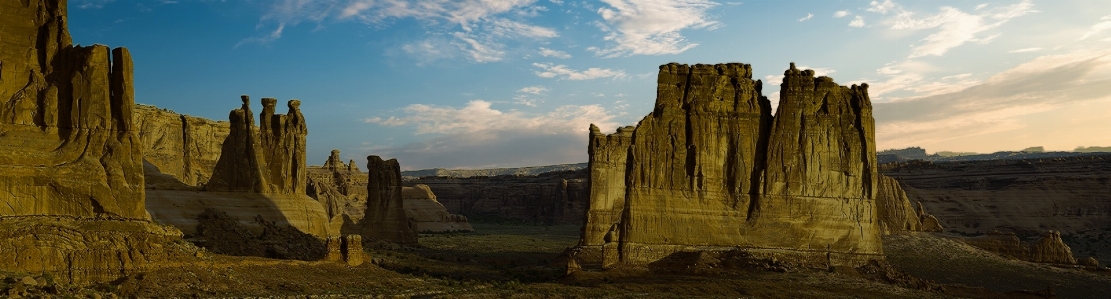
507, 83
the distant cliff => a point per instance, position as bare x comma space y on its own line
466, 173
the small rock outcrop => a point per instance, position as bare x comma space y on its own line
1047, 249
428, 215
183, 147
711, 169
71, 170
269, 161
385, 216
897, 214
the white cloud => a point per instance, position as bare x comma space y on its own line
554, 53
954, 27
478, 51
265, 39
981, 6
1104, 25
651, 27
987, 116
881, 7
537, 89
1024, 50
841, 14
548, 70
857, 22
807, 17
478, 135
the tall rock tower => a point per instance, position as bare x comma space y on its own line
712, 169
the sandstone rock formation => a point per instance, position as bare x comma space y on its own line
385, 217
269, 161
181, 146
896, 212
1047, 249
711, 169
550, 198
428, 215
342, 190
71, 171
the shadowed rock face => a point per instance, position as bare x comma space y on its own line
269, 161
385, 209
711, 169
896, 214
428, 215
65, 112
550, 198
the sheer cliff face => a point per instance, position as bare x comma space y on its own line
65, 113
711, 167
181, 146
270, 159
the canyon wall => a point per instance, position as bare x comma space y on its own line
71, 169
711, 169
548, 198
180, 146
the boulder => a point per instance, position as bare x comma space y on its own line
710, 169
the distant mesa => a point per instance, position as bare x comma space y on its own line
710, 169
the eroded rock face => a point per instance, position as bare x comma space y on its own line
896, 212
269, 161
385, 209
711, 169
65, 113
549, 198
428, 215
180, 146
342, 190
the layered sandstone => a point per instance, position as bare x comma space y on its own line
428, 215
183, 147
269, 161
342, 190
711, 169
71, 168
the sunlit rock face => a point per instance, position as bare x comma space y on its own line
712, 169
269, 160
68, 147
71, 165
183, 147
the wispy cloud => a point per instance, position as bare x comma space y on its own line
93, 4
265, 39
987, 115
537, 89
1024, 50
651, 27
841, 14
953, 26
548, 70
479, 29
477, 135
554, 53
1103, 25
807, 17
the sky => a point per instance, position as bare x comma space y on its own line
511, 83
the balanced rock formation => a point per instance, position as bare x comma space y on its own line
269, 161
897, 214
711, 169
385, 217
71, 171
428, 215
183, 147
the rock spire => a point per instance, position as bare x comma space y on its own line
266, 159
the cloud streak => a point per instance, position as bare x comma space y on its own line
548, 70
952, 26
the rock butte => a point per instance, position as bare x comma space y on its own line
71, 168
711, 169
385, 216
